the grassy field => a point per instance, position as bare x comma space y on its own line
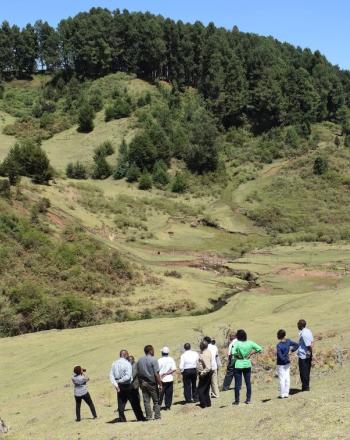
43, 408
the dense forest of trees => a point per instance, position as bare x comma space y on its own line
245, 78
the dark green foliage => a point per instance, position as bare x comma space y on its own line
160, 174
104, 150
86, 118
119, 109
27, 159
5, 188
102, 169
2, 90
320, 165
142, 151
133, 173
123, 161
179, 183
347, 141
76, 171
292, 138
145, 181
337, 141
96, 100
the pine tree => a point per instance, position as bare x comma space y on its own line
86, 118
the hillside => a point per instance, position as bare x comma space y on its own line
312, 280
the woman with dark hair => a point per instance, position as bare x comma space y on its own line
242, 351
80, 380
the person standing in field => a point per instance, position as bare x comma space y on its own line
121, 378
167, 368
242, 352
230, 371
135, 378
214, 366
205, 372
188, 368
150, 382
283, 363
306, 340
80, 379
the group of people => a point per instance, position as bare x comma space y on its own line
155, 377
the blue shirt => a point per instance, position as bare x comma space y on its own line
306, 340
121, 372
283, 349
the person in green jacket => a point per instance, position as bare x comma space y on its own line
242, 351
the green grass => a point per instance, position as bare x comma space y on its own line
32, 407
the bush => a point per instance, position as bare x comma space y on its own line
102, 169
104, 150
347, 141
143, 152
123, 161
145, 181
320, 165
2, 90
43, 205
160, 174
27, 159
179, 184
5, 188
76, 171
86, 118
119, 109
95, 100
133, 173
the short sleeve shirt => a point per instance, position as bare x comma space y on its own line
166, 364
306, 339
147, 367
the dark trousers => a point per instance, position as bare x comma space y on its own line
167, 394
304, 370
230, 372
150, 392
189, 377
129, 393
87, 399
204, 390
246, 372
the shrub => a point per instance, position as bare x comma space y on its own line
86, 118
142, 151
145, 181
179, 184
2, 90
27, 159
172, 273
347, 141
5, 188
76, 171
320, 165
95, 100
160, 174
102, 169
119, 109
337, 141
133, 173
104, 150
123, 161
43, 205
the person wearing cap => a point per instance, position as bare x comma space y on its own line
167, 368
80, 379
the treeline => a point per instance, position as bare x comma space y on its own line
246, 79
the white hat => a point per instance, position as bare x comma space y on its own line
165, 350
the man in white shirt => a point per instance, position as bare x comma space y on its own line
167, 368
214, 366
230, 365
188, 368
305, 354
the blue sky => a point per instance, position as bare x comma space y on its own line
317, 24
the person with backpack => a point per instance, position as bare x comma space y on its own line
80, 379
283, 363
242, 352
